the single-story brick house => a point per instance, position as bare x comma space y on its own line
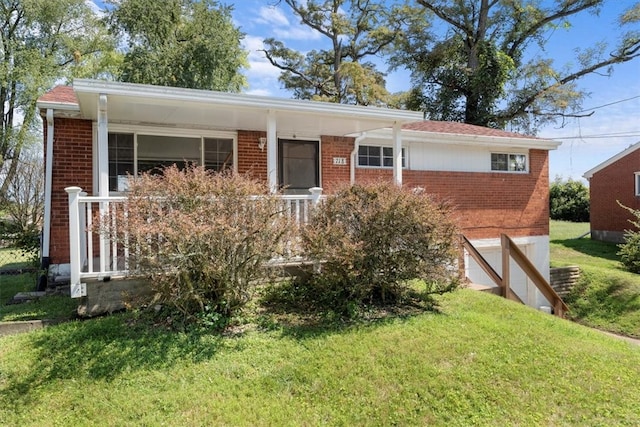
96, 132
615, 179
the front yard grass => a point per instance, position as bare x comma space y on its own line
607, 296
477, 360
51, 307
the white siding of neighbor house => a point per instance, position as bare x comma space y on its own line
536, 248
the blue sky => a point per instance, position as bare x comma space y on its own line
586, 141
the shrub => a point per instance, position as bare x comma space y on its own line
630, 249
569, 201
25, 239
201, 237
371, 240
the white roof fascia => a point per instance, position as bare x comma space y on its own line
467, 139
242, 100
58, 106
588, 174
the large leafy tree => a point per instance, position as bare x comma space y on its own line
42, 42
181, 43
472, 65
569, 201
356, 31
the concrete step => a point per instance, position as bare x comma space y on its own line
483, 288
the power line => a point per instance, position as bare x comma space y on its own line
609, 104
631, 134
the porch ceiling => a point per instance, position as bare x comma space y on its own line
176, 107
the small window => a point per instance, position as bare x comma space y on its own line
376, 156
508, 162
218, 153
120, 160
637, 179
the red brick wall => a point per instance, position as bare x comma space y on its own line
251, 160
615, 182
333, 175
486, 204
72, 165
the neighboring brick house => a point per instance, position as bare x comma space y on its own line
614, 180
96, 132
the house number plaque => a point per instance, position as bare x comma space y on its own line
339, 160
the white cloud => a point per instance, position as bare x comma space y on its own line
298, 33
261, 76
271, 16
273, 22
259, 66
259, 92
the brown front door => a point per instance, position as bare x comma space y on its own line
298, 165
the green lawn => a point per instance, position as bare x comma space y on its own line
607, 296
52, 307
480, 360
11, 258
475, 360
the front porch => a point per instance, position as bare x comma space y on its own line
96, 257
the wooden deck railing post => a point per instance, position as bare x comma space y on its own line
461, 264
506, 275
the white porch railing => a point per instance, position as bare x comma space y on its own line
93, 255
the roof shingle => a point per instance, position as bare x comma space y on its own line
460, 129
60, 94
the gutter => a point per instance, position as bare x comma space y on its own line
354, 154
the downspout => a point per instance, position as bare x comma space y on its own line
354, 154
46, 232
45, 260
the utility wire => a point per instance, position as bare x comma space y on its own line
602, 135
609, 104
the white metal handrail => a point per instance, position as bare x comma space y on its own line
112, 258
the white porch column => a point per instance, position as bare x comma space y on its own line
74, 241
272, 147
103, 147
397, 154
103, 173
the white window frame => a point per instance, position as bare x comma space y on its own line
636, 176
509, 154
405, 156
159, 131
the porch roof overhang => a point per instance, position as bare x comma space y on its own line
191, 108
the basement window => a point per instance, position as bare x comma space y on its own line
508, 162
